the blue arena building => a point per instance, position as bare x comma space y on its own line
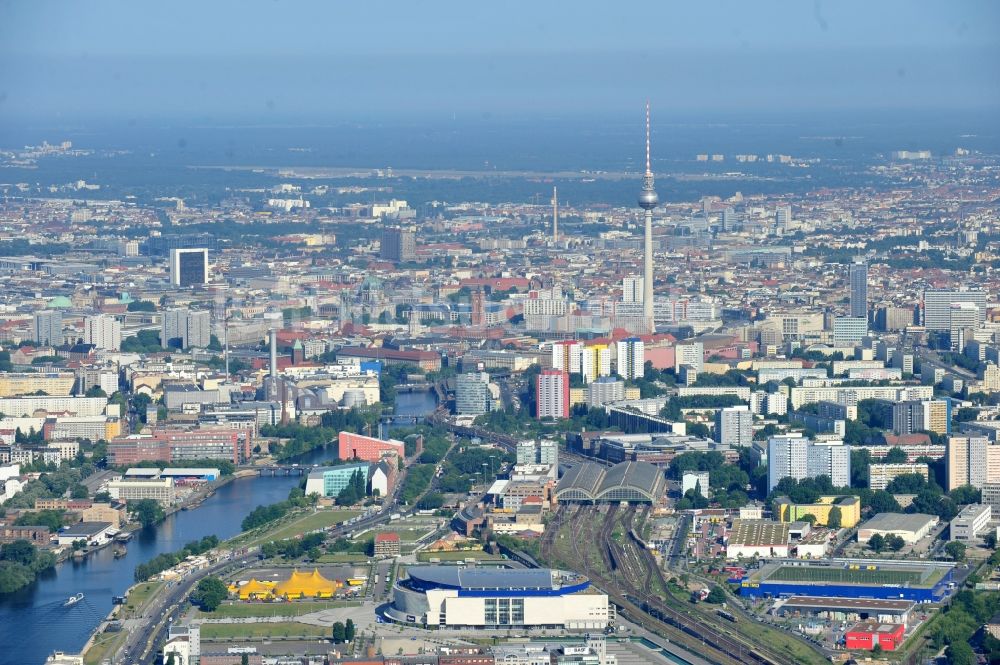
454, 596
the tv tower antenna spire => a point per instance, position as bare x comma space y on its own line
647, 201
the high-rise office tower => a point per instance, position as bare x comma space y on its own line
472, 394
182, 329
48, 327
858, 274
398, 245
691, 354
797, 457
552, 394
783, 217
632, 289
730, 219
566, 356
734, 426
963, 317
631, 358
103, 331
971, 460
648, 200
938, 302
188, 267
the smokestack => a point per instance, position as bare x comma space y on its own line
555, 215
274, 354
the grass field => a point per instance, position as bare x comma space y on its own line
141, 595
408, 535
310, 522
239, 631
101, 646
859, 575
243, 610
297, 523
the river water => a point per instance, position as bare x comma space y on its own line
33, 621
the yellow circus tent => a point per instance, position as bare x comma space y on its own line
306, 585
255, 590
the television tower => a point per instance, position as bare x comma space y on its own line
647, 201
555, 216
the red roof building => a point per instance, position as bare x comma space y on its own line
865, 635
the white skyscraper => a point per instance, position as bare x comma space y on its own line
963, 317
734, 426
631, 358
182, 328
797, 457
689, 353
632, 289
103, 331
48, 327
566, 356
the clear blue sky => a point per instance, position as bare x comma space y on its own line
312, 59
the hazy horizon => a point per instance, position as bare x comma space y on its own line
263, 62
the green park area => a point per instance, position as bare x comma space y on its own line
295, 524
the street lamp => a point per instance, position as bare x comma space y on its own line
492, 472
484, 473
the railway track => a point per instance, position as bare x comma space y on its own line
607, 568
611, 553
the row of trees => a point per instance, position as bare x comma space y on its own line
262, 515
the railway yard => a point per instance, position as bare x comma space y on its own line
603, 543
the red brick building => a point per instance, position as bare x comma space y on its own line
178, 445
367, 448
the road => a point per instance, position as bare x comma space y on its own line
147, 633
93, 482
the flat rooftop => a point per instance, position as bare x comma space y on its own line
899, 521
758, 533
839, 572
838, 603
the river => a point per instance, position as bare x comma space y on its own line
33, 621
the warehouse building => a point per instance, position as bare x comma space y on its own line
845, 578
847, 609
761, 538
970, 522
909, 527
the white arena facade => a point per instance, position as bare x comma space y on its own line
458, 597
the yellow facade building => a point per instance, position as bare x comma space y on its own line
57, 384
850, 510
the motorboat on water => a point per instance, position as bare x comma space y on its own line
73, 600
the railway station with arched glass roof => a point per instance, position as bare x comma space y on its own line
630, 482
